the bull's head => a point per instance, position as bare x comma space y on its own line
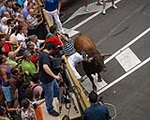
98, 61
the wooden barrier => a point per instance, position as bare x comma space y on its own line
82, 98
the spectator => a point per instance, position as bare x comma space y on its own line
22, 91
2, 98
48, 79
37, 89
96, 111
4, 77
54, 11
10, 25
4, 115
35, 22
27, 65
52, 37
20, 19
12, 58
73, 56
13, 38
4, 46
25, 10
7, 6
7, 28
17, 8
21, 35
16, 80
35, 40
4, 24
6, 14
27, 112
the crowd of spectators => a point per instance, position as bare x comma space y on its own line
21, 26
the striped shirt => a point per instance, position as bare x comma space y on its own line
68, 48
32, 20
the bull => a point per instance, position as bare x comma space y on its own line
93, 61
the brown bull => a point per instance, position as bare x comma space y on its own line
85, 46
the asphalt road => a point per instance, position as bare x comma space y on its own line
126, 34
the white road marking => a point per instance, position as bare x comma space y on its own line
71, 32
81, 11
127, 45
118, 26
108, 5
128, 59
93, 8
123, 76
88, 85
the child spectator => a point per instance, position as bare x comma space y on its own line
37, 89
27, 112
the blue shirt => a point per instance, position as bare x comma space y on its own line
2, 10
96, 112
25, 12
51, 5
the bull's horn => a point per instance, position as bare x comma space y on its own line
91, 58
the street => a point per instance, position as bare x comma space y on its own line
125, 33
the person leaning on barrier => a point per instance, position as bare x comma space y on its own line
72, 55
96, 111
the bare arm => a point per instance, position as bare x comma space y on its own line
58, 9
3, 73
39, 102
17, 50
62, 36
49, 72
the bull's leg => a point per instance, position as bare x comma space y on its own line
93, 84
99, 77
103, 66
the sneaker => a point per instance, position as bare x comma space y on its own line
99, 3
86, 9
54, 113
81, 79
114, 6
104, 12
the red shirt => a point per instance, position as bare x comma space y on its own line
34, 59
6, 47
55, 40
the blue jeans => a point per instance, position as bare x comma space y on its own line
51, 90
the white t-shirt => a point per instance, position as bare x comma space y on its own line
4, 29
21, 38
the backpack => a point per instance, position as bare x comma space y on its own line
42, 94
